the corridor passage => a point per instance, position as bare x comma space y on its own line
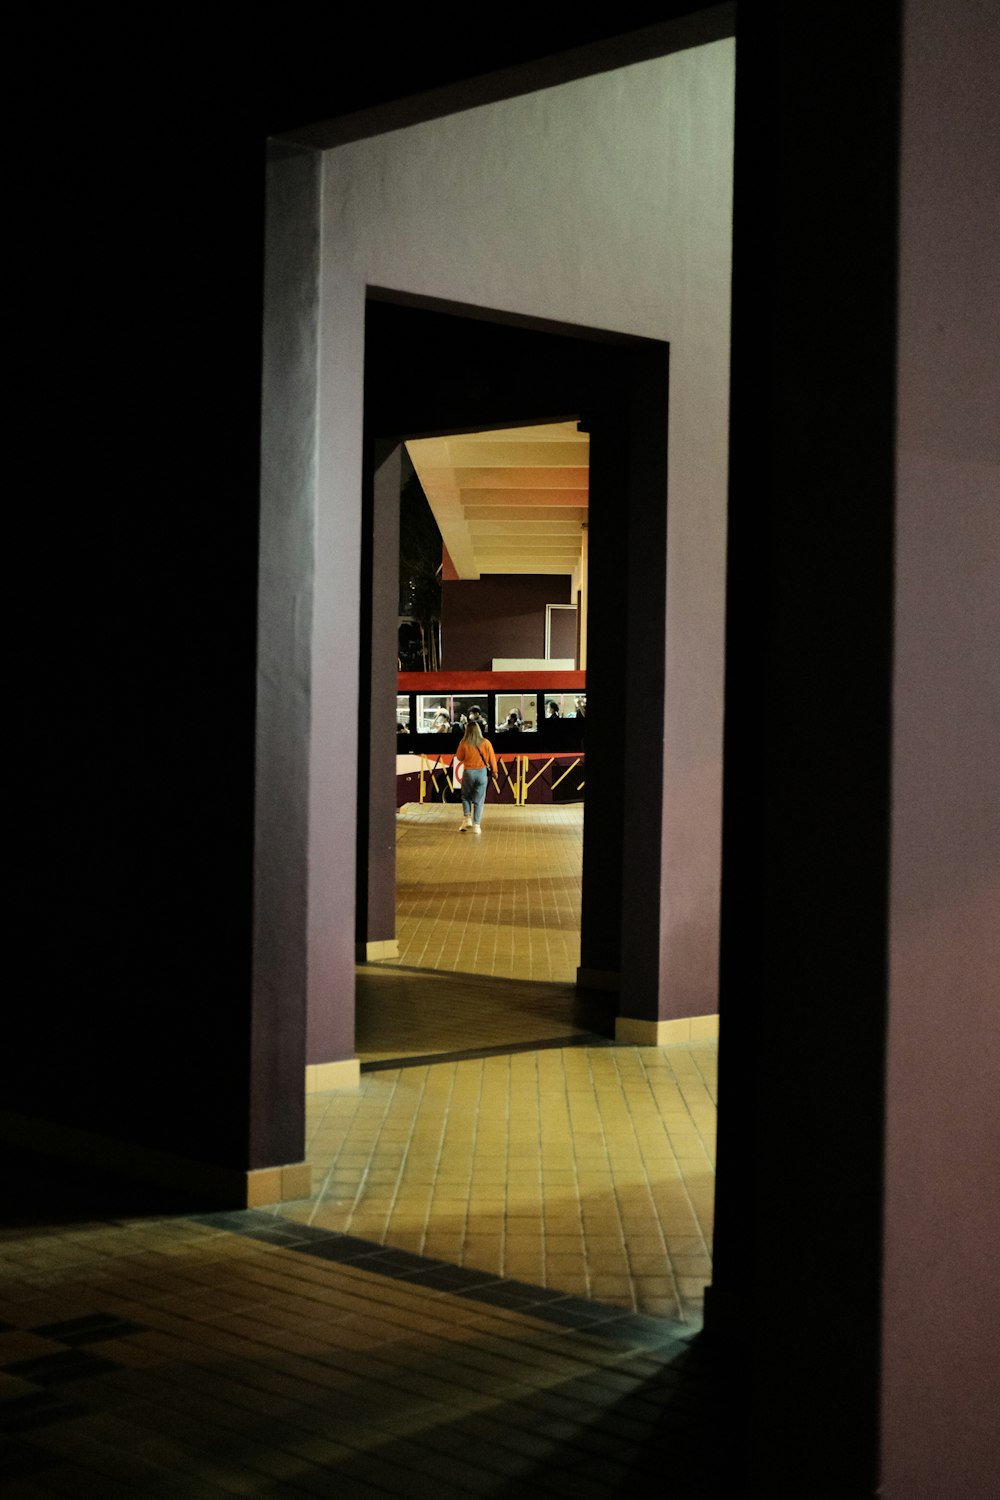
504, 903
583, 1170
498, 1126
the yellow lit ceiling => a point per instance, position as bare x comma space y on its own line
510, 501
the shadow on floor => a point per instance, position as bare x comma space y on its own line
42, 1191
425, 1015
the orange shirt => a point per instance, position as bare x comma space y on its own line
475, 758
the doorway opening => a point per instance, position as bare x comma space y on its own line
508, 509
549, 395
493, 1143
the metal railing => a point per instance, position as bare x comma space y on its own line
515, 774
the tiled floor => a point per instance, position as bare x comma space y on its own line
531, 1146
186, 1357
586, 1170
506, 902
493, 1290
403, 1014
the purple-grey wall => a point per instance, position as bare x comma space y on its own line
281, 811
500, 615
942, 1250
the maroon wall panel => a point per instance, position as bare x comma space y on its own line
500, 615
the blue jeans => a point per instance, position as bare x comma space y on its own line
474, 792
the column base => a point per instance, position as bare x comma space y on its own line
728, 1315
640, 1033
608, 980
321, 1077
369, 953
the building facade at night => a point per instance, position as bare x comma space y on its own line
756, 257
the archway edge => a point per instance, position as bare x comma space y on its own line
513, 371
690, 27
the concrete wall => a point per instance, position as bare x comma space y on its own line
604, 202
941, 1333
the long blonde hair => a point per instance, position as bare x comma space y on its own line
473, 734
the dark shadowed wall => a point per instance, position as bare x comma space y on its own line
807, 776
138, 406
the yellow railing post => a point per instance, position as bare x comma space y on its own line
566, 773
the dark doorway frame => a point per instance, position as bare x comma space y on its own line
515, 372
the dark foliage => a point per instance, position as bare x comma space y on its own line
419, 578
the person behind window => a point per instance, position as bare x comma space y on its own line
552, 709
477, 759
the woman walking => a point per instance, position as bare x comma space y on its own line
478, 760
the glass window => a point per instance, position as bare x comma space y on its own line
402, 713
517, 713
466, 706
440, 713
433, 714
565, 705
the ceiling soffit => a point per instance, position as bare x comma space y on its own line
509, 501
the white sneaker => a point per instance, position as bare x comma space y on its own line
465, 825
475, 828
